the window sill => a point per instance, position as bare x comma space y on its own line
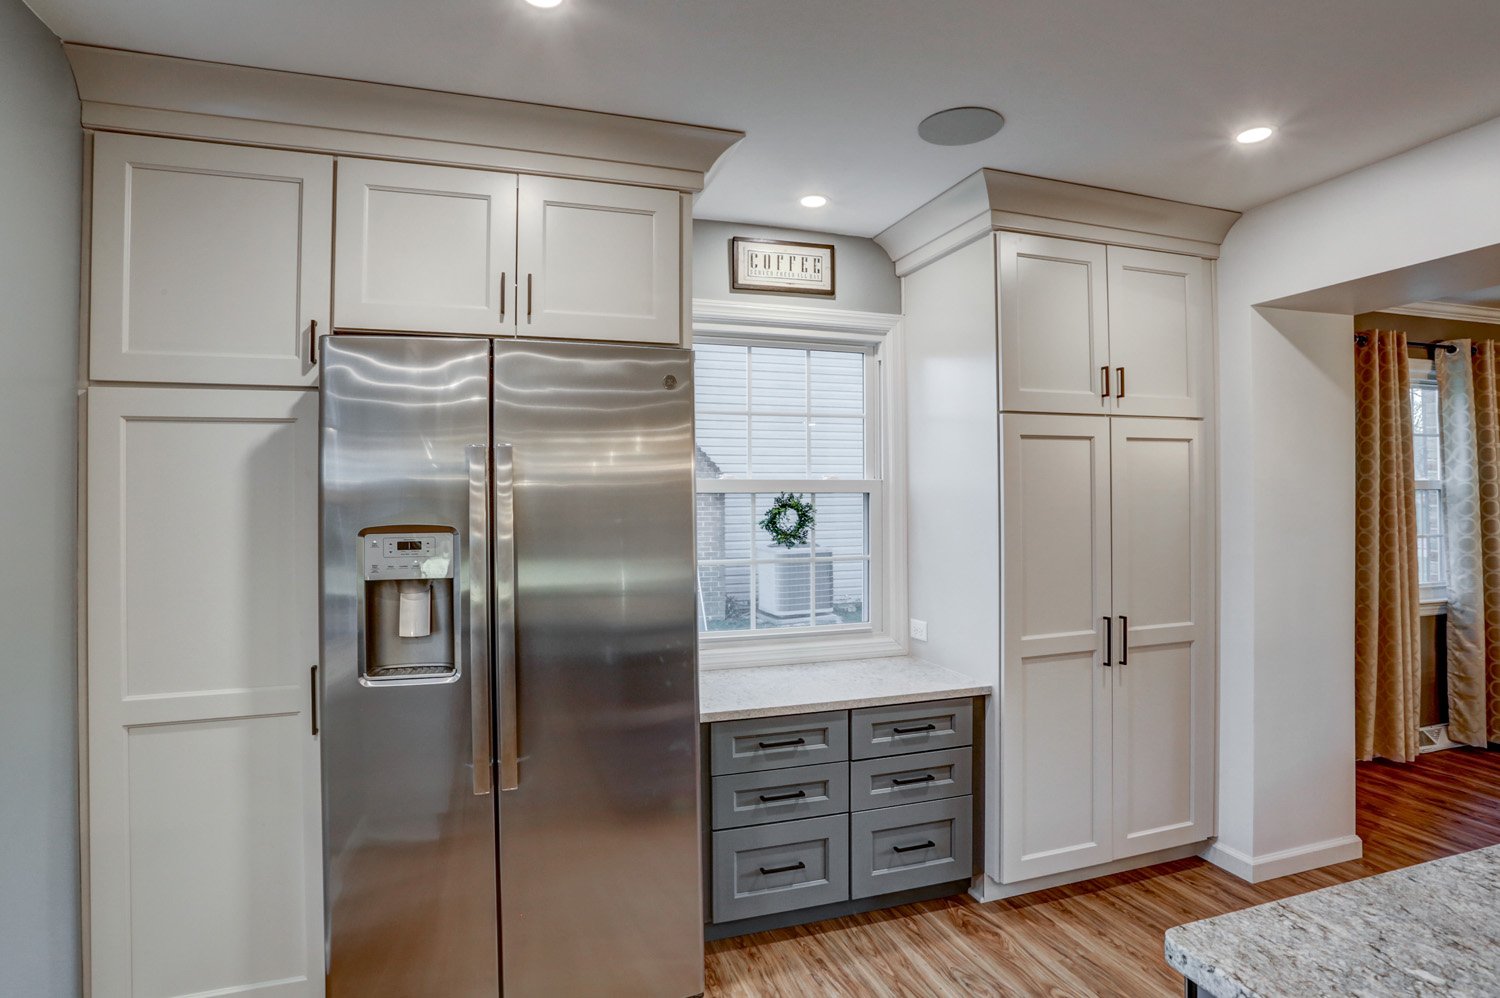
732, 654
1433, 607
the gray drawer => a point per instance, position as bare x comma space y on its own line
908, 779
780, 795
769, 868
911, 727
915, 845
758, 743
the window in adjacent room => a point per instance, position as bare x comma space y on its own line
796, 419
1432, 567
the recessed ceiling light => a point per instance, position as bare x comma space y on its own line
814, 201
960, 126
1257, 134
544, 3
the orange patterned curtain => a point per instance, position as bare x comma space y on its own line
1387, 597
1469, 394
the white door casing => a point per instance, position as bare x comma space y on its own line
204, 830
427, 249
209, 263
1054, 325
1163, 673
1055, 720
1159, 332
599, 261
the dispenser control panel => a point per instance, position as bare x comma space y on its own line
408, 556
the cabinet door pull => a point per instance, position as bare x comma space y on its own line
314, 697
1104, 383
1108, 643
1120, 380
783, 869
774, 798
312, 343
920, 845
784, 743
1124, 638
897, 781
929, 726
502, 296
528, 298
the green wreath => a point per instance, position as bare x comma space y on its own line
774, 522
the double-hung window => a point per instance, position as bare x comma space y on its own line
795, 419
1432, 566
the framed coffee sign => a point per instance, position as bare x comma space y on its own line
781, 267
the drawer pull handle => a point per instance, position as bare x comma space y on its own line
767, 870
784, 743
897, 781
773, 798
929, 726
920, 845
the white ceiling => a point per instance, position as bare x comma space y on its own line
1484, 298
1141, 96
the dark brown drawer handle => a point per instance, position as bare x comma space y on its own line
773, 798
921, 845
924, 778
929, 726
784, 743
767, 870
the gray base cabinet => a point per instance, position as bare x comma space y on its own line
797, 825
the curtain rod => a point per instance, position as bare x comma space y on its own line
1362, 339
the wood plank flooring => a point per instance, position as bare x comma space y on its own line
1103, 937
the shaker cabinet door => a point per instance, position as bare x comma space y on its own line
1159, 332
204, 833
1054, 327
600, 261
209, 263
424, 249
1163, 673
1055, 745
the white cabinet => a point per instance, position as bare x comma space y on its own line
204, 840
209, 263
428, 249
1107, 686
600, 261
1086, 328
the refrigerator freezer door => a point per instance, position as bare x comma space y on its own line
599, 841
409, 820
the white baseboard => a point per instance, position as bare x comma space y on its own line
986, 889
1286, 862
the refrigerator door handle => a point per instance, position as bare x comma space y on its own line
479, 624
505, 615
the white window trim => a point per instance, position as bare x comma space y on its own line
1433, 599
877, 333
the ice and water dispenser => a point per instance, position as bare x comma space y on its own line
408, 623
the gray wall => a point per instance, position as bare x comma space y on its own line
864, 277
40, 162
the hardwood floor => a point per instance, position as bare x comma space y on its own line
1103, 937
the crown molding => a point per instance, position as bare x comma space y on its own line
188, 98
994, 199
1452, 311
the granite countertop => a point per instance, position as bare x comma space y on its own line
1427, 930
768, 690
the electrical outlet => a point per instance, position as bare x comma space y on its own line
918, 629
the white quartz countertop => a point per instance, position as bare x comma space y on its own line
1427, 930
768, 690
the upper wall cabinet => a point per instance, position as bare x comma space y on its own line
427, 249
1086, 328
600, 261
209, 263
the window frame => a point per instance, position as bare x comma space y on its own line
877, 337
1424, 371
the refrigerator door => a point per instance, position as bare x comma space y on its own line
409, 820
597, 709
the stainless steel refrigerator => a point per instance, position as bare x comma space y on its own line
509, 690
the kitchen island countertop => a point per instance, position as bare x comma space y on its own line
1426, 930
771, 690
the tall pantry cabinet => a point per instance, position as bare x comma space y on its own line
1059, 388
221, 250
